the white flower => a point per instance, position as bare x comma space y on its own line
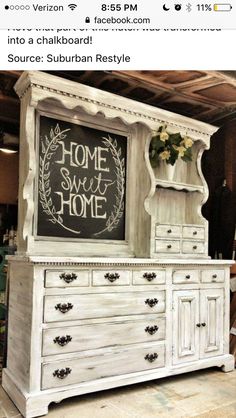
181, 150
165, 155
164, 136
187, 142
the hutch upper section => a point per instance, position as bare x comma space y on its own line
87, 187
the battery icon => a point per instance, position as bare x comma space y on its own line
222, 7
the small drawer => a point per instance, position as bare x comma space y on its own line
90, 337
111, 277
113, 362
212, 276
164, 246
168, 231
102, 305
190, 247
193, 232
149, 277
185, 276
64, 278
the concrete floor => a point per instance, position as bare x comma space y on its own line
206, 394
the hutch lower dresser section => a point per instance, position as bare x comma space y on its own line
83, 325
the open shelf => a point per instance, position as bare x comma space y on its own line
171, 206
179, 186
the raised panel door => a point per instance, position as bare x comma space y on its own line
211, 318
186, 327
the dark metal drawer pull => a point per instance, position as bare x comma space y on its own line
188, 276
203, 324
214, 276
112, 277
194, 232
169, 246
149, 276
63, 373
151, 302
151, 357
152, 330
62, 341
64, 307
195, 247
169, 231
68, 277
198, 325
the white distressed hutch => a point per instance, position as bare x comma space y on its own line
92, 314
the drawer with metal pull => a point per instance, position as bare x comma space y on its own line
168, 231
192, 232
99, 305
166, 246
102, 364
185, 276
149, 276
212, 276
191, 247
89, 337
111, 277
64, 278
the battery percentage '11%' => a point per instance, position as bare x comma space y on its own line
204, 7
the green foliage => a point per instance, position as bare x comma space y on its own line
169, 147
187, 155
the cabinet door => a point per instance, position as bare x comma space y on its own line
211, 318
185, 329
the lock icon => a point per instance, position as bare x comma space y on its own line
87, 20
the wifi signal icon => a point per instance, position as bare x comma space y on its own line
72, 6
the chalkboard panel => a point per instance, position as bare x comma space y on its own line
81, 181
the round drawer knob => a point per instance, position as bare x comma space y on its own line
203, 324
169, 231
198, 325
169, 246
194, 232
214, 276
188, 276
195, 247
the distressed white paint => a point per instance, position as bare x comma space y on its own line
146, 205
109, 320
108, 326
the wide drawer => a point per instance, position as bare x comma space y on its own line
149, 276
114, 362
190, 247
193, 232
69, 307
185, 276
88, 337
64, 278
111, 277
212, 276
164, 246
168, 231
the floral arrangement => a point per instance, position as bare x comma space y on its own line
169, 147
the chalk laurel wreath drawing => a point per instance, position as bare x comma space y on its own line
49, 147
118, 208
